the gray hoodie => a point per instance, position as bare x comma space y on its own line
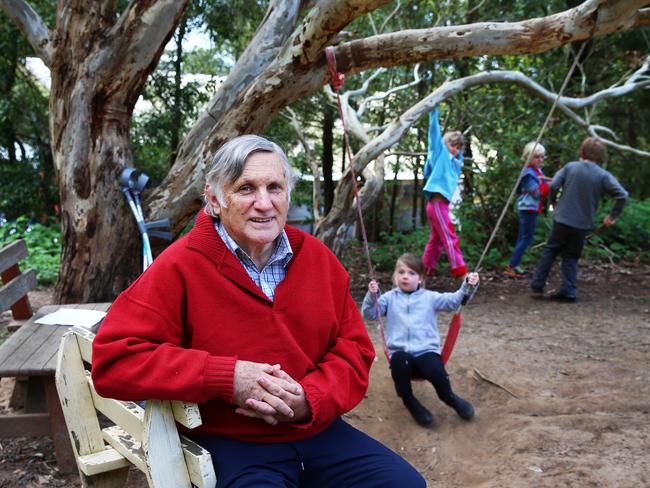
411, 318
583, 184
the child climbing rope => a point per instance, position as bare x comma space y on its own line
441, 172
533, 188
412, 337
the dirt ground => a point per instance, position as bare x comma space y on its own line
561, 391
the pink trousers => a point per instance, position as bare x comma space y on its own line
443, 236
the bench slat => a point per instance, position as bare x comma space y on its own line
12, 253
126, 445
76, 401
199, 464
187, 414
19, 353
101, 462
17, 288
128, 415
162, 446
25, 425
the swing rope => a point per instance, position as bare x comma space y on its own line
338, 80
337, 83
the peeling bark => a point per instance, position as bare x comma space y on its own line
96, 78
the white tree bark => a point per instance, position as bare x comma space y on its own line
30, 23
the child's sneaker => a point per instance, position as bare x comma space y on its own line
463, 408
515, 272
421, 415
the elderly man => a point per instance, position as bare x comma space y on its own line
254, 321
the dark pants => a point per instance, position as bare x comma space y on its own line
569, 243
340, 456
527, 224
428, 366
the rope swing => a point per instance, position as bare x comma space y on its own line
338, 80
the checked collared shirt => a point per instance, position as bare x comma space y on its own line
275, 270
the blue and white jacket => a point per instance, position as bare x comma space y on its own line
441, 171
531, 190
411, 318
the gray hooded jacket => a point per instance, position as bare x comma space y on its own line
411, 318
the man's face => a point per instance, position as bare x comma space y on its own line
257, 203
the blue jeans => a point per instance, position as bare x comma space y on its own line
527, 225
340, 456
569, 242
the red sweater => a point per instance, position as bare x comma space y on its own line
177, 331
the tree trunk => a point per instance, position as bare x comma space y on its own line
97, 77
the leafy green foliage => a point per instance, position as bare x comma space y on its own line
26, 171
629, 238
44, 245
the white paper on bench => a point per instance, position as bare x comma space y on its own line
72, 316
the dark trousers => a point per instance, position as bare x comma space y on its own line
340, 456
527, 224
404, 367
568, 242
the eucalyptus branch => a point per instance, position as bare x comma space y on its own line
383, 95
397, 8
30, 24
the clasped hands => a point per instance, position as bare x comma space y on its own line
267, 392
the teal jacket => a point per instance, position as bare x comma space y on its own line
441, 171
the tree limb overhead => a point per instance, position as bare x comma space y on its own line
31, 24
591, 18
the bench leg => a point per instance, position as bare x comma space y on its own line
62, 448
19, 395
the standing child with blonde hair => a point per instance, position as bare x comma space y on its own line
411, 334
533, 188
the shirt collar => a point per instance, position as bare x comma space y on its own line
282, 251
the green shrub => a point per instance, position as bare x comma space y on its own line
629, 238
43, 242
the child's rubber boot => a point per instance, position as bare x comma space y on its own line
421, 415
463, 408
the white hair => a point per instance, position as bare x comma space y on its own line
229, 161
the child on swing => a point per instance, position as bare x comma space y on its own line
411, 334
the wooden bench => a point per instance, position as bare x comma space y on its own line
147, 439
16, 285
31, 353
